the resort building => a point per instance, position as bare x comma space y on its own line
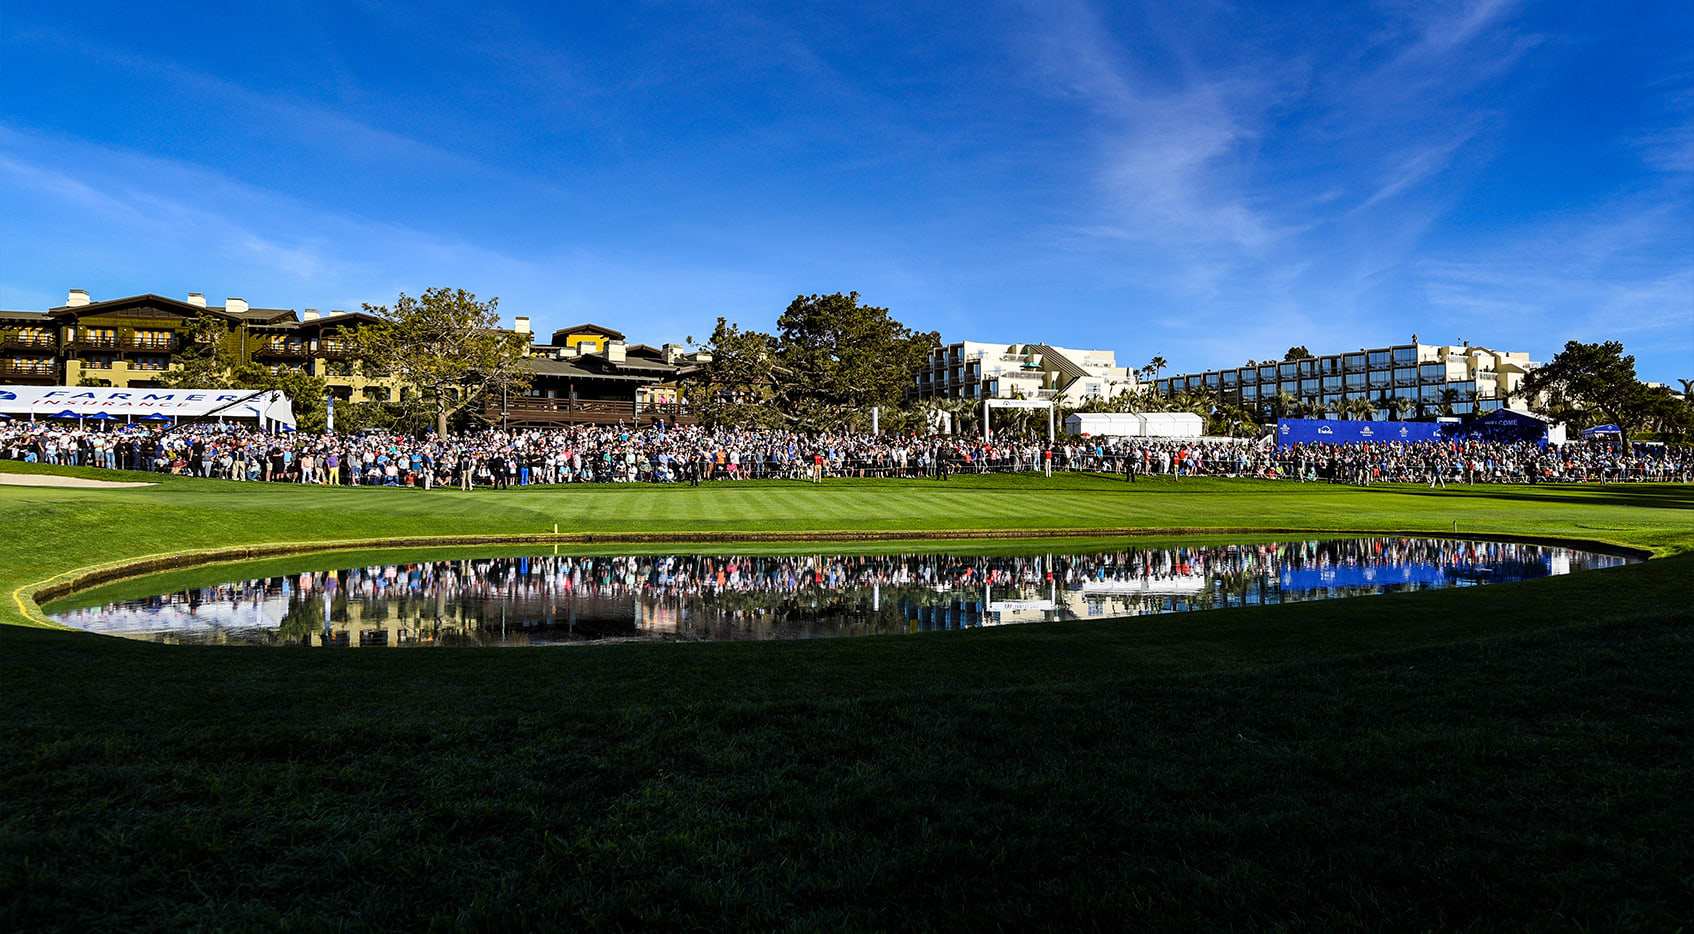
575, 384
1402, 380
589, 374
130, 342
978, 370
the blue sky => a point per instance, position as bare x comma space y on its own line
1209, 183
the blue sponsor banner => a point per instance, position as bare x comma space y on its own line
1383, 575
1309, 430
1368, 576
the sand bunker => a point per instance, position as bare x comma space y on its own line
47, 479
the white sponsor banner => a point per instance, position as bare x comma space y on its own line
49, 401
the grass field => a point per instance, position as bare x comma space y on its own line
1503, 757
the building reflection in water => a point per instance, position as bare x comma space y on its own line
563, 599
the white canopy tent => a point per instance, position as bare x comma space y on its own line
1136, 424
267, 409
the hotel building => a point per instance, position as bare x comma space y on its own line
589, 374
1467, 380
978, 370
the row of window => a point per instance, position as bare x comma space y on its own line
1432, 392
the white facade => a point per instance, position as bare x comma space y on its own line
986, 370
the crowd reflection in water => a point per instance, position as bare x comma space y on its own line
561, 598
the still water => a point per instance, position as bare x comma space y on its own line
558, 599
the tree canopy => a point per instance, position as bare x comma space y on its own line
1597, 377
210, 361
1298, 352
830, 360
444, 348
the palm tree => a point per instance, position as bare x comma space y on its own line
1282, 404
1356, 408
1399, 406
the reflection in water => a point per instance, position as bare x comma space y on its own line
556, 599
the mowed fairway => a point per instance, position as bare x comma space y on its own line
1500, 757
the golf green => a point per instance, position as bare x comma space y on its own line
1503, 757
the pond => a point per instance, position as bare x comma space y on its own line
562, 599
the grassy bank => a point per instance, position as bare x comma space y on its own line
1507, 756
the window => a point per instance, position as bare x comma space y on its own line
1308, 387
1329, 365
1353, 361
1288, 369
1378, 359
1331, 383
1405, 356
1355, 380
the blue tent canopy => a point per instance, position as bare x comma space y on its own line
156, 417
1601, 430
66, 414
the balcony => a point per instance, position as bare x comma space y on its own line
93, 342
29, 369
154, 344
16, 341
283, 352
333, 350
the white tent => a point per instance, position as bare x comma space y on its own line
1105, 424
1136, 424
1174, 425
265, 408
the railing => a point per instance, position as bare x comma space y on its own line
15, 341
96, 364
148, 365
153, 343
89, 341
28, 368
293, 352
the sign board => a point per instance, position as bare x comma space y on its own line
1322, 431
265, 407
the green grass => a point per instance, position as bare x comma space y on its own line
1501, 757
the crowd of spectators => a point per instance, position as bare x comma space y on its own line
660, 454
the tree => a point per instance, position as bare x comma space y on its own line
1400, 407
305, 392
1357, 409
444, 348
1155, 366
836, 358
206, 361
735, 389
1297, 353
1600, 377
